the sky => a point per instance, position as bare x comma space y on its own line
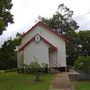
26, 12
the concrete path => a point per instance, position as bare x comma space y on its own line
61, 82
71, 71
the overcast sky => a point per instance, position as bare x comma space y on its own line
26, 12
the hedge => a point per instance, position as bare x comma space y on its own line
83, 64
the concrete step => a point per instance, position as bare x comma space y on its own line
53, 70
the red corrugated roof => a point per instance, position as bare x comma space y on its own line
47, 28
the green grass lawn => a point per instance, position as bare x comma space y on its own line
16, 81
81, 85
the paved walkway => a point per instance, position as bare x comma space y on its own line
61, 82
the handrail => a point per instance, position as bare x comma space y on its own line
53, 61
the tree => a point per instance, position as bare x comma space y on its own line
84, 45
61, 21
73, 49
5, 15
79, 45
8, 55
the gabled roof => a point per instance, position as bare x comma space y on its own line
33, 40
47, 28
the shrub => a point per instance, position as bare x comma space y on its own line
83, 64
45, 67
36, 68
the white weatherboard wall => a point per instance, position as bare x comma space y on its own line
20, 59
50, 37
57, 42
38, 51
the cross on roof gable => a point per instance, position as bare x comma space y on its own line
47, 28
33, 40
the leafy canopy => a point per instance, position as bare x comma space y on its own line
61, 21
5, 15
8, 55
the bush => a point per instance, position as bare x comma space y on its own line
83, 64
45, 67
35, 67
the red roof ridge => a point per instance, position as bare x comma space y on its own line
48, 28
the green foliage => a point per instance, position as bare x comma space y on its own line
8, 54
72, 49
61, 21
35, 67
83, 64
45, 67
84, 37
5, 15
79, 45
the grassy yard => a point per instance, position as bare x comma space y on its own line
15, 81
81, 85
